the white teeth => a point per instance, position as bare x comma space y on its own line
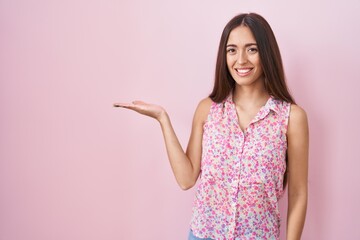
243, 70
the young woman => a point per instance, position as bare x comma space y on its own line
248, 140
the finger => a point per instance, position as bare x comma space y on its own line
136, 102
124, 105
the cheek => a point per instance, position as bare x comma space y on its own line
260, 69
257, 62
229, 62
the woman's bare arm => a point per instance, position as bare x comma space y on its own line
185, 165
298, 148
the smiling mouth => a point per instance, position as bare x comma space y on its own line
243, 71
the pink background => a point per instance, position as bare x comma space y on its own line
74, 167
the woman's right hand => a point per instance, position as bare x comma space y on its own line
185, 165
151, 110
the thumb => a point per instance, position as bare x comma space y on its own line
138, 102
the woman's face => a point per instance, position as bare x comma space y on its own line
242, 57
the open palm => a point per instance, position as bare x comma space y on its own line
151, 110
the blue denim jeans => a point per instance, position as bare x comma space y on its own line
192, 237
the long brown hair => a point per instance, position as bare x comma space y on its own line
270, 59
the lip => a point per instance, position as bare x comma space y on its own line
243, 72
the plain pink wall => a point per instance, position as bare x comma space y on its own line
73, 167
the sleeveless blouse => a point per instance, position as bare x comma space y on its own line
242, 172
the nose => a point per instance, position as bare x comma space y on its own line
242, 57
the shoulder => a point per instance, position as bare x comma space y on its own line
298, 120
205, 103
297, 113
203, 109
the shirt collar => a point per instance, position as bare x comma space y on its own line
271, 104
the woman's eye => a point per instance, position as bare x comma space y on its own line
252, 50
230, 50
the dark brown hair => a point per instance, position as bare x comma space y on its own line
270, 59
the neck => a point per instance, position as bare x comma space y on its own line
250, 95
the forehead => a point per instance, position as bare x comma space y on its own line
241, 35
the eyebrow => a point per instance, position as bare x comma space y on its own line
246, 45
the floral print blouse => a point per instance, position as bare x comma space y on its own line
242, 172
